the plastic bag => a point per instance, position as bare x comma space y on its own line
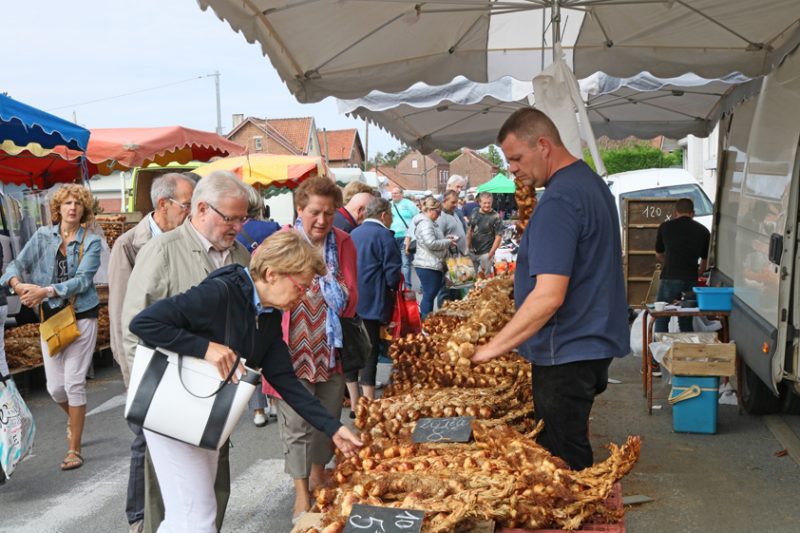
460, 270
17, 427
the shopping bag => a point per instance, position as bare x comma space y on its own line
17, 428
356, 344
183, 397
405, 318
460, 270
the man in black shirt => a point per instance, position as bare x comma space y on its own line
680, 244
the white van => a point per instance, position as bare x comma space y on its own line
754, 241
661, 183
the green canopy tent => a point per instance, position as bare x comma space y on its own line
499, 184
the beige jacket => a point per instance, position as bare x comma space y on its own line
120, 265
169, 264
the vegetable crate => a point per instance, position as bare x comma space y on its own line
691, 359
614, 501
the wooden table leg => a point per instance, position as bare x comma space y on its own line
645, 350
649, 371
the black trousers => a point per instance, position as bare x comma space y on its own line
370, 370
563, 396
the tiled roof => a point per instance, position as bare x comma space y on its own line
295, 130
397, 179
439, 160
476, 155
340, 143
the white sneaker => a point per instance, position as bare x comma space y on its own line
260, 420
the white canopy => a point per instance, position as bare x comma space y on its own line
468, 114
345, 48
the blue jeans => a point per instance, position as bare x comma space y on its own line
432, 281
407, 258
134, 503
670, 290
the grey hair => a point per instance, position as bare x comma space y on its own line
165, 186
449, 194
455, 178
255, 203
484, 194
219, 184
376, 206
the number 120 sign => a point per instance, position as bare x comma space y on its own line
371, 519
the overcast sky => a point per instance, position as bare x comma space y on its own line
58, 54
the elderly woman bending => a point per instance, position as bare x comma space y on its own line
189, 323
62, 260
432, 249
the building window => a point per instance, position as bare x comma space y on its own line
414, 163
257, 143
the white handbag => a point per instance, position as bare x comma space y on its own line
183, 397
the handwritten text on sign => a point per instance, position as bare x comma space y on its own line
371, 519
456, 429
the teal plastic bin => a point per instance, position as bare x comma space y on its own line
714, 298
694, 403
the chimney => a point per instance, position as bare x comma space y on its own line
236, 119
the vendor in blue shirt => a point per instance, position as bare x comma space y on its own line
571, 318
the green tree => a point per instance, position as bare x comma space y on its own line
449, 156
496, 158
635, 157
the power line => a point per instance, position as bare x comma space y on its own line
131, 93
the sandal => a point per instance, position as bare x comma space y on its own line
72, 460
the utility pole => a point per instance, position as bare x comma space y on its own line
219, 108
366, 145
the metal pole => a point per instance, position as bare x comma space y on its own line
556, 21
219, 108
366, 146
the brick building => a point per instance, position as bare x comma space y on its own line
285, 136
423, 172
473, 166
342, 149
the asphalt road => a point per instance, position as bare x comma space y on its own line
40, 498
734, 481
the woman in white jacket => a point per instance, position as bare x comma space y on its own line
432, 248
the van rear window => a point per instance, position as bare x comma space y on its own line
702, 205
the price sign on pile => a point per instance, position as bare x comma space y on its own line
371, 519
454, 429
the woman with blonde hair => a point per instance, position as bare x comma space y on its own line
54, 269
432, 247
280, 272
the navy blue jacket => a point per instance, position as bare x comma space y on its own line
185, 324
379, 265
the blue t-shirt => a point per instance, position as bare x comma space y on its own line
574, 231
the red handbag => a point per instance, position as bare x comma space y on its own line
405, 317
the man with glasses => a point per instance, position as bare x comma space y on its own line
174, 262
171, 195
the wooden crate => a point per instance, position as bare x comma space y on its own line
690, 359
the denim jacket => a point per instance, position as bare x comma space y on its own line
36, 264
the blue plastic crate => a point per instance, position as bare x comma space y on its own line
714, 298
694, 402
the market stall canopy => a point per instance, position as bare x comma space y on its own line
23, 127
345, 49
500, 184
269, 170
123, 148
468, 114
25, 168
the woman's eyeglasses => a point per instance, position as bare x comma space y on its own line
227, 219
303, 289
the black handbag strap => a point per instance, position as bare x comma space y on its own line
227, 342
398, 214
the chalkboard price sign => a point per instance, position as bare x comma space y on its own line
371, 519
455, 429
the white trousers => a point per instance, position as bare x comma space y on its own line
66, 371
186, 477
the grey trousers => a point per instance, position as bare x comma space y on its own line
154, 505
302, 444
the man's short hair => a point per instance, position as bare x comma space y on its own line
529, 124
353, 188
483, 195
450, 194
684, 205
456, 179
376, 207
470, 197
165, 186
217, 185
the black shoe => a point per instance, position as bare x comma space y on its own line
353, 415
